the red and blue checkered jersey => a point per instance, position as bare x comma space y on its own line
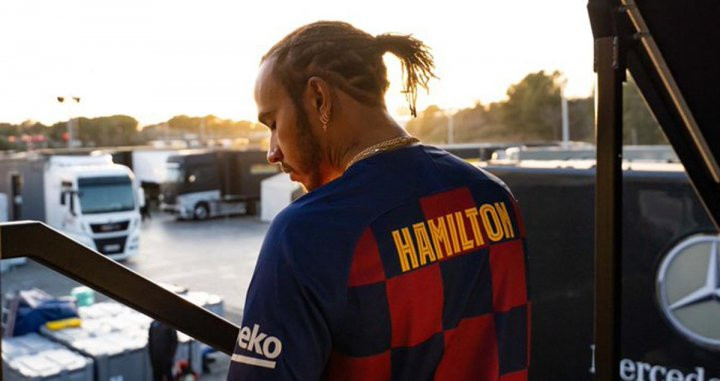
411, 266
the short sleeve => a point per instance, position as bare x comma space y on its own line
284, 334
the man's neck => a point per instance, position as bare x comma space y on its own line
371, 128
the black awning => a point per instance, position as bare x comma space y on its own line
673, 52
688, 35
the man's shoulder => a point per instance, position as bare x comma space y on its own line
319, 227
345, 207
457, 172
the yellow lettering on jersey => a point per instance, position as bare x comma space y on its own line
472, 215
464, 241
493, 229
439, 235
425, 250
505, 219
405, 249
453, 233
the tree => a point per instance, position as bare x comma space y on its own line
533, 107
531, 113
430, 126
639, 125
116, 130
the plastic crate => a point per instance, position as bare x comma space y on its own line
7, 264
116, 356
189, 350
33, 357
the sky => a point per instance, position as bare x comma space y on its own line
153, 59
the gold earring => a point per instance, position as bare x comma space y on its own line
325, 120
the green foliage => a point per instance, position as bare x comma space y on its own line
533, 107
206, 127
122, 130
479, 123
431, 125
532, 112
116, 130
639, 125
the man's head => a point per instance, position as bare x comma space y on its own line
318, 81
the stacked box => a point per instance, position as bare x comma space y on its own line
116, 337
210, 302
117, 357
189, 350
116, 354
7, 264
33, 357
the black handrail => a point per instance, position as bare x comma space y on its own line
59, 252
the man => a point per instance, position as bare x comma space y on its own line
162, 345
402, 262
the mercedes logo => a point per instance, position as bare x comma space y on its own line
688, 289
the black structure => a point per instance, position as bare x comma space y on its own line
671, 49
608, 204
660, 208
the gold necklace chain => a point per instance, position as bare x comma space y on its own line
387, 145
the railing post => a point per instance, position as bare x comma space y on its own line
610, 70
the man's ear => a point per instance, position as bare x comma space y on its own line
320, 94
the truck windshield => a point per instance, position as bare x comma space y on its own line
174, 173
105, 194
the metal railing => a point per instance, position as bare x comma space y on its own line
41, 243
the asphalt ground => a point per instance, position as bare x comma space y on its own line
216, 256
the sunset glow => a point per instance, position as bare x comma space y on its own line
156, 59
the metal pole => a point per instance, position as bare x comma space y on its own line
565, 119
74, 123
70, 132
608, 206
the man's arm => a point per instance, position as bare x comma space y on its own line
284, 335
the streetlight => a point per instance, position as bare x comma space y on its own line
61, 100
564, 110
450, 114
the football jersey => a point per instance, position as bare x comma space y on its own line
411, 266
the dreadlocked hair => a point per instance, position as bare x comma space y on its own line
350, 59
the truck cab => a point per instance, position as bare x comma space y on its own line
96, 202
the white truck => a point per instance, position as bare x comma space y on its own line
87, 197
148, 165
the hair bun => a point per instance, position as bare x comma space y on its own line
416, 59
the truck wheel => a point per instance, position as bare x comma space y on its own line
201, 211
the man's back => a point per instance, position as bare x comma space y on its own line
409, 266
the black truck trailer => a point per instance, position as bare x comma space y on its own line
203, 184
668, 243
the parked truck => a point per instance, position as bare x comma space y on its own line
87, 197
202, 184
148, 165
